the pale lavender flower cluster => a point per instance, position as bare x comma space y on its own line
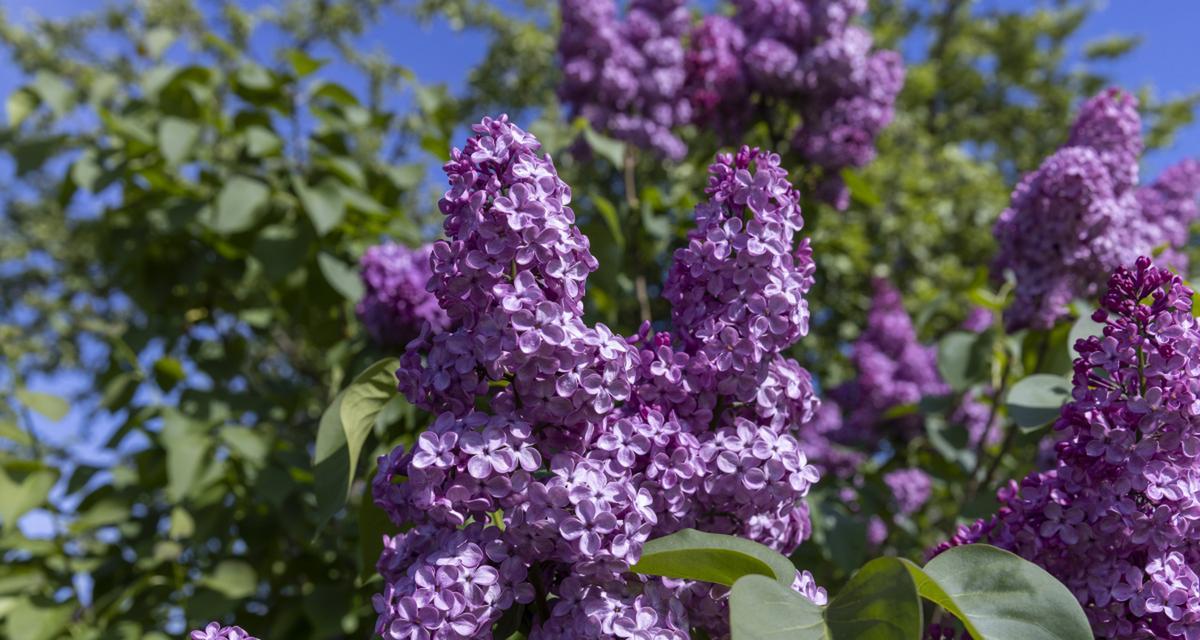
804, 55
396, 304
1118, 518
626, 76
560, 448
911, 489
217, 631
1081, 214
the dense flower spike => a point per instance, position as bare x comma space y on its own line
215, 631
560, 448
396, 305
1079, 216
1117, 518
803, 54
626, 76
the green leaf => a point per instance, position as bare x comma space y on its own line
168, 372
235, 579
246, 443
261, 142
158, 40
879, 603
331, 462
238, 205
341, 277
761, 608
999, 596
176, 138
609, 213
963, 357
13, 433
324, 203
182, 524
54, 91
52, 407
31, 620
712, 557
373, 523
302, 63
605, 147
187, 447
19, 498
119, 391
20, 104
333, 92
860, 189
361, 403
1037, 399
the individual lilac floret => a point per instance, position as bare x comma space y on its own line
626, 76
1116, 519
1079, 216
216, 631
911, 489
396, 304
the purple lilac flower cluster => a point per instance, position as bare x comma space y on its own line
806, 55
559, 448
626, 76
1117, 519
216, 631
1081, 213
911, 489
893, 367
396, 304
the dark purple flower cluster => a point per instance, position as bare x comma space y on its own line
1118, 518
396, 304
805, 55
215, 631
1081, 213
626, 76
560, 448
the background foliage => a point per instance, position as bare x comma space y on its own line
191, 187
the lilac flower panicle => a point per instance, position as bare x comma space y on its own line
396, 304
1080, 214
806, 55
911, 489
559, 448
626, 76
217, 631
1116, 519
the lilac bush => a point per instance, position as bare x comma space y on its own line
1116, 518
559, 448
395, 305
1080, 214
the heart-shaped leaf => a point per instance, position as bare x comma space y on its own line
1037, 399
712, 557
999, 596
